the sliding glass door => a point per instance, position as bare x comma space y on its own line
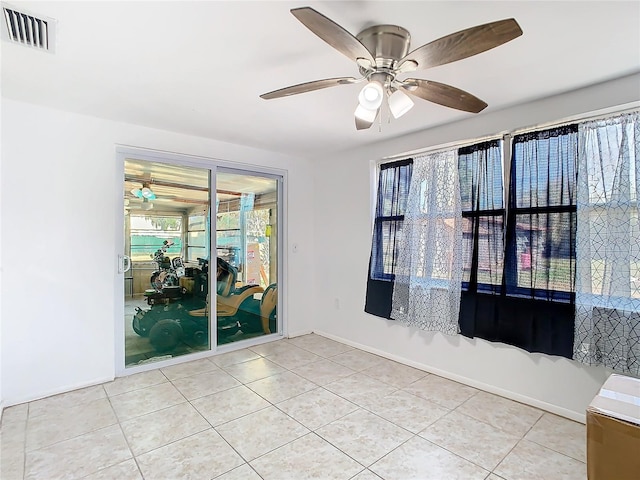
167, 311
247, 255
192, 255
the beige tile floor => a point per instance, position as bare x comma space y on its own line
303, 408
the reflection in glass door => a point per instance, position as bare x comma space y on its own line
167, 240
247, 263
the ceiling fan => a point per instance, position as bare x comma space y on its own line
146, 194
382, 55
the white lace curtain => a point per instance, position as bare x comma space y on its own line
607, 326
428, 276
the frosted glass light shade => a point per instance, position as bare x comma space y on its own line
365, 114
399, 103
371, 96
148, 193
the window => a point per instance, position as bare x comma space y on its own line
229, 237
540, 254
607, 323
428, 272
393, 190
555, 269
197, 238
481, 192
148, 233
526, 299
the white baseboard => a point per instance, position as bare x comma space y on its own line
298, 333
17, 401
555, 409
56, 391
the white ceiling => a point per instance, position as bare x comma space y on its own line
199, 67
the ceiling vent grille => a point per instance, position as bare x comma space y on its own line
26, 29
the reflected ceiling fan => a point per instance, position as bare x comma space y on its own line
145, 194
382, 55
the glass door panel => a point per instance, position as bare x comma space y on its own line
247, 255
167, 240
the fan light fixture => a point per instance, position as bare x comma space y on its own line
384, 55
371, 95
399, 103
146, 204
365, 114
145, 192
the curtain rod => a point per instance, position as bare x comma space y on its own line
594, 115
442, 147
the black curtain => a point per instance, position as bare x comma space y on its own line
393, 189
534, 306
481, 191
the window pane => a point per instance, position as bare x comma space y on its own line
166, 311
228, 220
441, 266
393, 189
543, 172
480, 172
604, 148
545, 251
197, 239
229, 244
490, 248
385, 252
148, 234
467, 247
247, 255
614, 245
197, 222
194, 253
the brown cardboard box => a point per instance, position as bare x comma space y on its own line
613, 431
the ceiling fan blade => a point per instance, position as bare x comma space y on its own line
443, 94
308, 87
332, 33
463, 44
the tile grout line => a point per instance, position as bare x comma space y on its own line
310, 431
320, 358
118, 422
24, 447
545, 446
361, 407
243, 384
43, 447
271, 404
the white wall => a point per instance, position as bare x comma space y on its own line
1, 267
58, 193
343, 230
60, 209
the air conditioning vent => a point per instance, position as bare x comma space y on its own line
26, 29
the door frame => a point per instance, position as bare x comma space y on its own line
212, 164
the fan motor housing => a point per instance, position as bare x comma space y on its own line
387, 43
